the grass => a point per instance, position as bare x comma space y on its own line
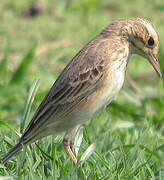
124, 141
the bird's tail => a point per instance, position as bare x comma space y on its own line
11, 152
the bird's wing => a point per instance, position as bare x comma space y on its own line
77, 81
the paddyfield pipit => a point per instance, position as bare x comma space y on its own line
90, 81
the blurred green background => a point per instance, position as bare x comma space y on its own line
37, 40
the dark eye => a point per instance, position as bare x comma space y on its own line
150, 41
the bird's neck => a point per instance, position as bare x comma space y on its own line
119, 60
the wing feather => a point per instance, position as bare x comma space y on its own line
77, 81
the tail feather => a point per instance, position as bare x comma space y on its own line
11, 152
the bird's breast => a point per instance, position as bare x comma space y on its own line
111, 83
98, 100
110, 88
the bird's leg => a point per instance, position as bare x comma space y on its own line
69, 151
134, 87
68, 142
132, 84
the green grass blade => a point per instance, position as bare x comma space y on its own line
78, 140
29, 102
87, 153
6, 178
151, 172
3, 67
24, 65
44, 154
2, 123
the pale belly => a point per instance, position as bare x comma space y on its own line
105, 95
100, 98
93, 104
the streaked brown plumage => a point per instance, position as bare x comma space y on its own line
90, 81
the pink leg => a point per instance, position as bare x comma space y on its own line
69, 151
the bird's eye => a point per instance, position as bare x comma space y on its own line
150, 41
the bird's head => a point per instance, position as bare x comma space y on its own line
143, 40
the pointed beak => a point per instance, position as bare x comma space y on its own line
155, 65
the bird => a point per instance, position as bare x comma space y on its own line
90, 81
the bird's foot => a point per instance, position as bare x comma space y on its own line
67, 147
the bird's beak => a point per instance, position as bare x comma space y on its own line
155, 64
